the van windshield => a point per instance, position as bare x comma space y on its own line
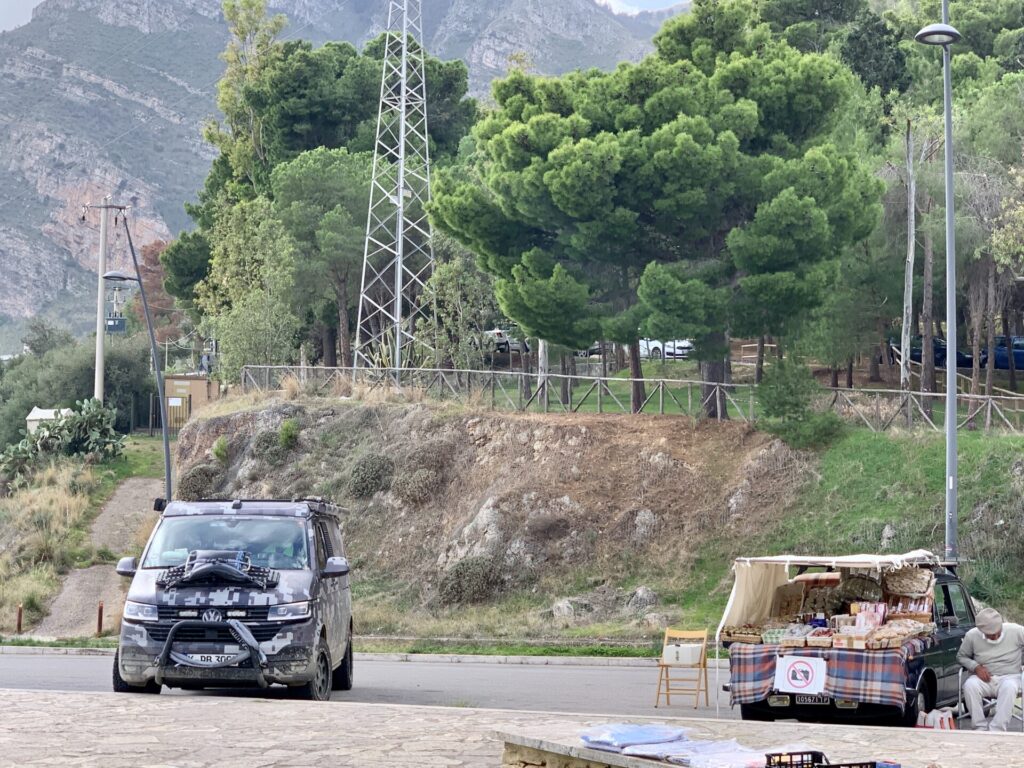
278, 543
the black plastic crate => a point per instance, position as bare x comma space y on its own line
796, 760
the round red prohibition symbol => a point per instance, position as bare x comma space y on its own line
801, 674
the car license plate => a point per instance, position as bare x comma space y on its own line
211, 658
813, 700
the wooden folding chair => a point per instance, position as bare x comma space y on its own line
683, 651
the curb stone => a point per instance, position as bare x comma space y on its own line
423, 658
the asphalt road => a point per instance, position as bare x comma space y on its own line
548, 688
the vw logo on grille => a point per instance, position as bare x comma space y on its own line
212, 614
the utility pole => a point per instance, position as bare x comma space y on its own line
101, 299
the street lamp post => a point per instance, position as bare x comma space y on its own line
137, 278
944, 35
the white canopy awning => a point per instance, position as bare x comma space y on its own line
757, 578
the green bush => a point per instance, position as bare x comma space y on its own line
220, 450
416, 487
267, 446
815, 430
288, 436
471, 580
787, 390
786, 396
371, 473
88, 431
200, 482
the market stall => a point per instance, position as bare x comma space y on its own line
847, 628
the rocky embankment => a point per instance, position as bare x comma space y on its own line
454, 509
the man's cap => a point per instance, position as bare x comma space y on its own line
989, 621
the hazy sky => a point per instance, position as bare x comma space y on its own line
14, 13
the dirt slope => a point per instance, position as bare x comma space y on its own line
125, 518
455, 507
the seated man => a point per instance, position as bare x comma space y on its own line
991, 652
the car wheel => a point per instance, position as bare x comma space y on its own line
915, 705
122, 686
750, 712
319, 688
656, 353
341, 680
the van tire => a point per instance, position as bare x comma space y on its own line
341, 680
122, 686
319, 688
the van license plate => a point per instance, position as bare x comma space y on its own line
813, 700
211, 658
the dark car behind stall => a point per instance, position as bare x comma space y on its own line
239, 593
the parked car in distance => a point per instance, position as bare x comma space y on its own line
1002, 356
595, 349
963, 359
677, 349
505, 342
238, 593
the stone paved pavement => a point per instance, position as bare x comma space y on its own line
140, 731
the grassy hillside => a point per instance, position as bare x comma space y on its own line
44, 527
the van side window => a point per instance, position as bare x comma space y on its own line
323, 547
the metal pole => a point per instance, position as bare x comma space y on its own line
156, 367
951, 370
101, 302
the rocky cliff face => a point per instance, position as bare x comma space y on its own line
105, 97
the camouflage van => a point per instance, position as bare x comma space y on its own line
239, 593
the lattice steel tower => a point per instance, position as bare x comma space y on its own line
398, 257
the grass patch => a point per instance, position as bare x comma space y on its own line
46, 525
77, 642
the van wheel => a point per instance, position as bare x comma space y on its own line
341, 680
750, 712
122, 686
319, 688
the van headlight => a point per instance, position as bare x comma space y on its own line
139, 612
289, 611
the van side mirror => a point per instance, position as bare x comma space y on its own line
127, 566
336, 566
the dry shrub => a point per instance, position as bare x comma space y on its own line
32, 589
291, 387
341, 386
416, 487
471, 580
200, 482
39, 530
370, 474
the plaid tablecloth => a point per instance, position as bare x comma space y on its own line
876, 677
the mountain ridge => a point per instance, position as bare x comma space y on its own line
105, 97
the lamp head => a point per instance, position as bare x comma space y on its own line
938, 34
120, 277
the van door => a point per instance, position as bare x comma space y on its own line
338, 543
331, 597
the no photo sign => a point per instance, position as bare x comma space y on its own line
800, 674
